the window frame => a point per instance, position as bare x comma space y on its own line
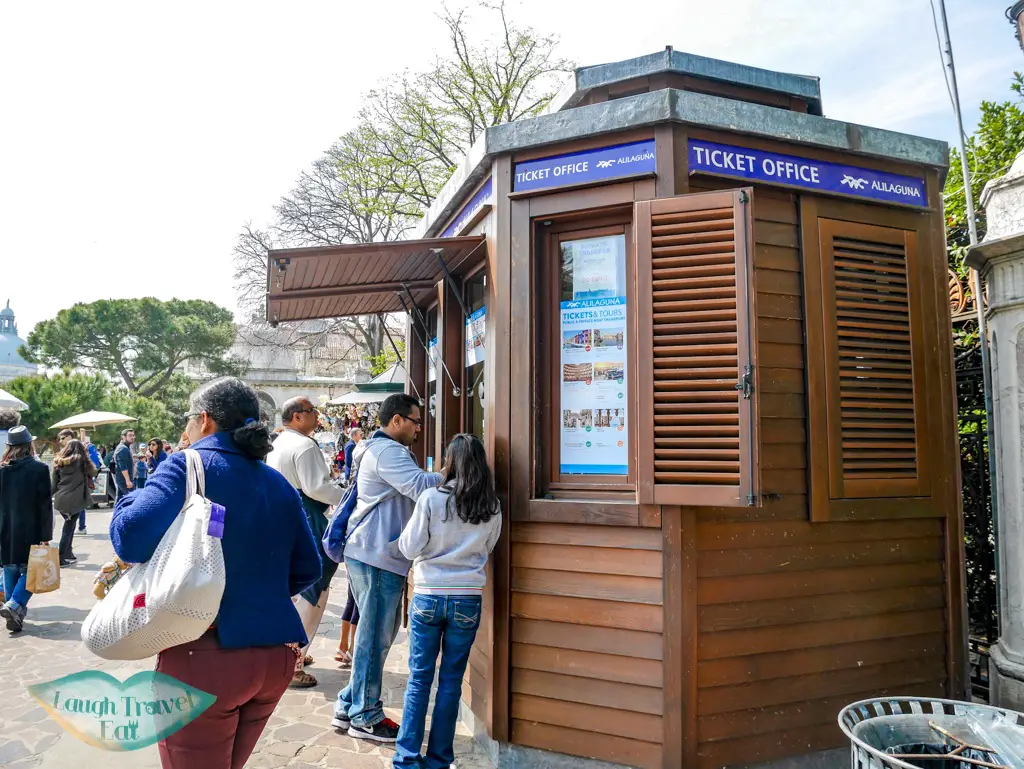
432, 425
464, 423
549, 234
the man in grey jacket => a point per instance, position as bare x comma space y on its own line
389, 482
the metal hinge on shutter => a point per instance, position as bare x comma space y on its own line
746, 383
746, 387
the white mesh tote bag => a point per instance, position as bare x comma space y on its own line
174, 597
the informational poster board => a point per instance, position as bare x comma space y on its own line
475, 337
595, 269
594, 434
433, 352
99, 494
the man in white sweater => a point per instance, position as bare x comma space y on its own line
298, 458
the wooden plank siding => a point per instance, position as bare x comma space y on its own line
587, 648
476, 682
797, 619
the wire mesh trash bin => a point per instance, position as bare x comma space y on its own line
925, 733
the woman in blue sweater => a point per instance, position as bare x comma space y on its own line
269, 555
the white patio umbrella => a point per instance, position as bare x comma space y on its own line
92, 419
8, 401
359, 397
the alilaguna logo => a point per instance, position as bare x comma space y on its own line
100, 710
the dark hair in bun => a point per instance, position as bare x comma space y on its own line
234, 406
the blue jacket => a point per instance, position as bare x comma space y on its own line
269, 551
348, 458
94, 455
154, 462
123, 461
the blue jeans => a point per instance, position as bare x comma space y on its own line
81, 521
445, 624
14, 584
378, 595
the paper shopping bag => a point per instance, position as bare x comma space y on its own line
43, 569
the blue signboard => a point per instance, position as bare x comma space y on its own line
773, 168
471, 209
583, 167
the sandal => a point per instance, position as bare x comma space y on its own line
302, 680
343, 658
307, 660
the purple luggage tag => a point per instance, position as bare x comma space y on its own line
216, 527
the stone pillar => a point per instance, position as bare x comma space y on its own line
1000, 258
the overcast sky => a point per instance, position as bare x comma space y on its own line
137, 138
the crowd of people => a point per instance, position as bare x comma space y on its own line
71, 482
278, 492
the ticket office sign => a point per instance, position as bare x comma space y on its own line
806, 173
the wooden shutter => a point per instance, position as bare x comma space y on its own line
695, 345
875, 426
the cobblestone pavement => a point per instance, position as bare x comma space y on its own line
298, 735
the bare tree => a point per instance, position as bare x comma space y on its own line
373, 183
251, 260
424, 123
347, 196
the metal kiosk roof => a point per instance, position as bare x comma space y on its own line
361, 278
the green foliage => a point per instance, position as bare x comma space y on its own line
140, 341
153, 418
388, 358
174, 397
991, 149
51, 399
54, 398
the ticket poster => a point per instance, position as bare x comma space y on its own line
594, 267
593, 386
476, 325
433, 356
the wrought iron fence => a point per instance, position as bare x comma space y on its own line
979, 540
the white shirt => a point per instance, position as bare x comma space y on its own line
298, 458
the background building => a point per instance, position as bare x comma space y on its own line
305, 359
11, 363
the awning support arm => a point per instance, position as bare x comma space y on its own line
401, 361
420, 337
456, 391
438, 252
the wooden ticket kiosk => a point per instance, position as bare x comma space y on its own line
704, 332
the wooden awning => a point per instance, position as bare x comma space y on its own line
363, 278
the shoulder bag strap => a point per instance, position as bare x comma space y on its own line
353, 525
195, 474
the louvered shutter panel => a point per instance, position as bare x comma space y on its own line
876, 421
695, 342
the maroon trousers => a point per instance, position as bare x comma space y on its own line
247, 684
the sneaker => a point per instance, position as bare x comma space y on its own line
385, 731
82, 531
72, 559
341, 722
15, 617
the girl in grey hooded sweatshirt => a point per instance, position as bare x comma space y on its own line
452, 531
